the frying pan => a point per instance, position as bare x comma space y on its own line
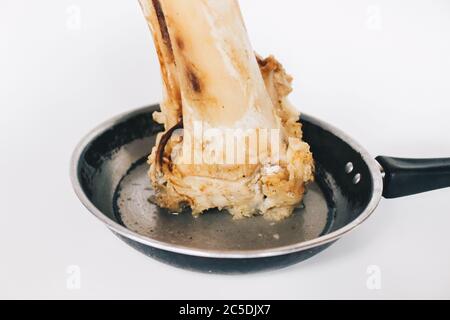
108, 173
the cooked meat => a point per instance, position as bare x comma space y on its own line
241, 146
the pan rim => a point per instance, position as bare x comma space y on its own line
377, 190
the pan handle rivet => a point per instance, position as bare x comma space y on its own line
357, 178
349, 168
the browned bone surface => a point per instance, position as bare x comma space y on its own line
211, 76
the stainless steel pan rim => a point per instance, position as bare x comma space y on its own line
377, 190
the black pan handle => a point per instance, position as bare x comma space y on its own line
404, 177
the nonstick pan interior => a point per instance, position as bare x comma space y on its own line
110, 171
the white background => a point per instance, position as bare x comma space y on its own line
379, 70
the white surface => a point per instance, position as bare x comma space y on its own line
384, 81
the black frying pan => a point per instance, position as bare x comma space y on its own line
109, 176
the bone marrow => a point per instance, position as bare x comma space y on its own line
233, 140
